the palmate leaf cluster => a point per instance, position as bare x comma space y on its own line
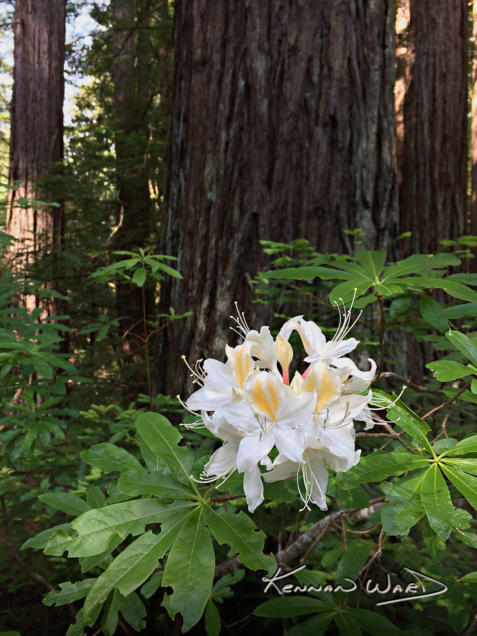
158, 550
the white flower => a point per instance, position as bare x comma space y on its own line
256, 411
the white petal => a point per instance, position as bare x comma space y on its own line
290, 443
282, 469
223, 461
253, 449
317, 477
253, 488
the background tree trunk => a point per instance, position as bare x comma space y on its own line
433, 161
282, 127
471, 227
36, 139
132, 100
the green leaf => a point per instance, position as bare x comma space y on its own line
169, 270
470, 577
372, 261
162, 439
465, 483
458, 612
467, 464
42, 367
66, 502
132, 567
96, 528
398, 519
240, 532
288, 606
433, 312
458, 290
140, 482
448, 370
151, 586
346, 291
378, 466
190, 572
68, 592
39, 541
110, 458
408, 421
465, 446
139, 277
373, 622
464, 344
212, 619
316, 625
437, 503
133, 610
353, 559
307, 272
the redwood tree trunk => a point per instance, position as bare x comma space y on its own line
282, 127
36, 139
433, 161
471, 226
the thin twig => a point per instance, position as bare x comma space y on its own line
375, 555
407, 381
449, 402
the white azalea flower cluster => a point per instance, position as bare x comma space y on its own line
250, 403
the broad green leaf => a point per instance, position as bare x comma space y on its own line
288, 606
96, 528
39, 541
433, 312
458, 290
307, 272
133, 610
347, 290
353, 559
378, 466
110, 458
347, 624
190, 572
68, 593
240, 532
162, 439
95, 497
212, 619
458, 611
408, 421
151, 586
373, 622
66, 502
132, 567
169, 270
465, 483
42, 367
448, 370
98, 544
470, 577
464, 344
372, 261
465, 446
110, 617
467, 464
316, 625
437, 503
140, 482
400, 518
139, 277
455, 312
418, 263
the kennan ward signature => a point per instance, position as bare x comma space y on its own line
411, 591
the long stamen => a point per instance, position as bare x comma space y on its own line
242, 327
186, 408
385, 405
198, 374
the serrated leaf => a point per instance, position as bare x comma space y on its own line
465, 483
437, 503
240, 532
68, 593
110, 458
163, 438
65, 502
190, 572
378, 466
140, 482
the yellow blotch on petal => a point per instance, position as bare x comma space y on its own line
243, 366
328, 387
264, 394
